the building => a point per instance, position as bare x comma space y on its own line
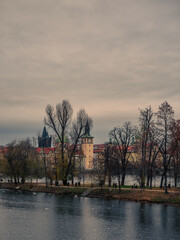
44, 141
87, 148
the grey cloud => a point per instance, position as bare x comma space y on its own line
13, 131
90, 52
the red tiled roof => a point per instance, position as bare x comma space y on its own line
3, 149
47, 150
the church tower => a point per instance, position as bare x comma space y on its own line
45, 140
87, 147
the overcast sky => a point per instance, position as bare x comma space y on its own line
110, 57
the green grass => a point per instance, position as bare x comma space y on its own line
72, 190
112, 192
165, 200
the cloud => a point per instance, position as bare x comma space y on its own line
110, 57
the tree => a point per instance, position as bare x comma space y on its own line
146, 122
80, 126
165, 119
45, 165
20, 158
148, 148
117, 165
11, 156
105, 159
175, 150
24, 148
98, 173
56, 160
109, 161
59, 121
122, 137
35, 164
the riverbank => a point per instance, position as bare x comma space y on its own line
152, 196
42, 188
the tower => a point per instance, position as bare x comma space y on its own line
45, 140
87, 147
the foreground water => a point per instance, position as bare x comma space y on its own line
28, 216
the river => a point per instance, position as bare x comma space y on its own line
40, 216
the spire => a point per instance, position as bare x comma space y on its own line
45, 133
87, 131
87, 128
45, 140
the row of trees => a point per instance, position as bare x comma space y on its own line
23, 160
151, 148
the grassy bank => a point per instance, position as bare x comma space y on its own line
153, 196
42, 188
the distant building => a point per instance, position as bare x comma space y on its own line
87, 148
45, 140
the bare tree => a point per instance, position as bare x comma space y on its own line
59, 121
152, 158
148, 147
117, 165
122, 138
36, 164
175, 150
165, 116
11, 156
79, 127
98, 174
45, 164
24, 149
109, 163
19, 156
146, 122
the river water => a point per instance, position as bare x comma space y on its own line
40, 216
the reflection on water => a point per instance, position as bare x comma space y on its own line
45, 216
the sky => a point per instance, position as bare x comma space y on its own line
110, 57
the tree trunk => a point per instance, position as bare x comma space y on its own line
109, 179
175, 177
123, 176
72, 180
17, 178
65, 182
165, 178
175, 181
162, 178
101, 185
151, 178
56, 175
51, 182
119, 183
56, 179
148, 178
15, 181
23, 180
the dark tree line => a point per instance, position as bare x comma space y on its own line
21, 161
152, 149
